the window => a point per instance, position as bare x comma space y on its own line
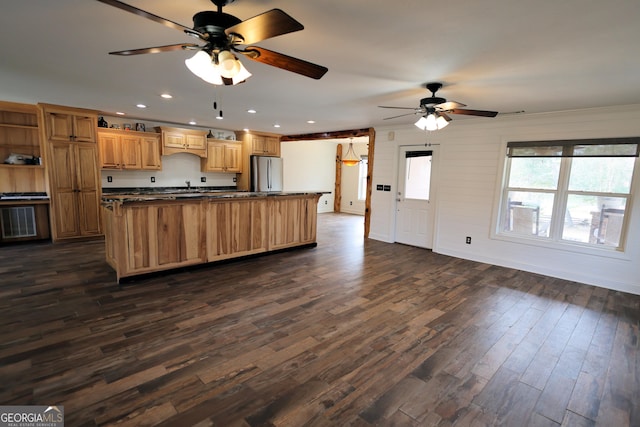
569, 191
362, 177
417, 180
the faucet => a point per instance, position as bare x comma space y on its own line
188, 184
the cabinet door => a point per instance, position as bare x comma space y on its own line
88, 189
60, 126
150, 153
196, 142
109, 151
233, 158
173, 139
84, 128
215, 157
272, 146
130, 152
257, 145
63, 191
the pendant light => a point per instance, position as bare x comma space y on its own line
351, 158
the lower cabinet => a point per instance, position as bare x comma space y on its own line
148, 236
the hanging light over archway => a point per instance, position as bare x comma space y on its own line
351, 158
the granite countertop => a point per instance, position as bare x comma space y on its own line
184, 194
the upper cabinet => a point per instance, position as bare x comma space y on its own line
264, 145
128, 150
19, 133
176, 140
223, 156
20, 145
70, 127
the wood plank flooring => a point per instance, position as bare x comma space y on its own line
352, 332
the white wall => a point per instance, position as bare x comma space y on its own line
470, 156
310, 166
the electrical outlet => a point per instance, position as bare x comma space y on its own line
325, 202
153, 179
235, 179
203, 179
350, 203
109, 178
468, 241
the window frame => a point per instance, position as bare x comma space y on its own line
562, 194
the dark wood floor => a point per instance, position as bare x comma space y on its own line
352, 332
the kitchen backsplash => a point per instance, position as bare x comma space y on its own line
176, 170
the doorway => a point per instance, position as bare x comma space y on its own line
414, 215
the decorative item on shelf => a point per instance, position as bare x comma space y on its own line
115, 126
127, 126
140, 127
220, 135
210, 134
351, 158
102, 123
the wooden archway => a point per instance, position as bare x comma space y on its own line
354, 133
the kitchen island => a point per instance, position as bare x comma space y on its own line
146, 233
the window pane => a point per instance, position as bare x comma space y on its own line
528, 213
362, 179
538, 173
602, 174
606, 150
418, 177
594, 219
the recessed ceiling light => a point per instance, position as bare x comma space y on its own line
166, 95
192, 122
311, 121
120, 113
276, 125
251, 111
141, 106
219, 117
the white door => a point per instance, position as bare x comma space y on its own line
414, 218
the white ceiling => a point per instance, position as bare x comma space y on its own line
503, 55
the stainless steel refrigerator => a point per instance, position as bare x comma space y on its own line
266, 173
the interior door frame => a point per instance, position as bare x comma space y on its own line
345, 134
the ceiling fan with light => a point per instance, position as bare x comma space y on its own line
434, 111
224, 35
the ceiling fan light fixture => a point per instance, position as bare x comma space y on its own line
202, 65
431, 121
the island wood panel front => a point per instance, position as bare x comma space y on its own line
148, 236
236, 228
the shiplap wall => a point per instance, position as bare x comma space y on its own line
469, 158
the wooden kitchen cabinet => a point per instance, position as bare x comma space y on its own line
20, 134
69, 126
75, 191
128, 150
223, 156
236, 228
72, 167
176, 140
263, 145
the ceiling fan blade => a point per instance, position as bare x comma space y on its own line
157, 49
264, 26
446, 117
450, 105
401, 115
466, 112
285, 62
398, 108
151, 16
